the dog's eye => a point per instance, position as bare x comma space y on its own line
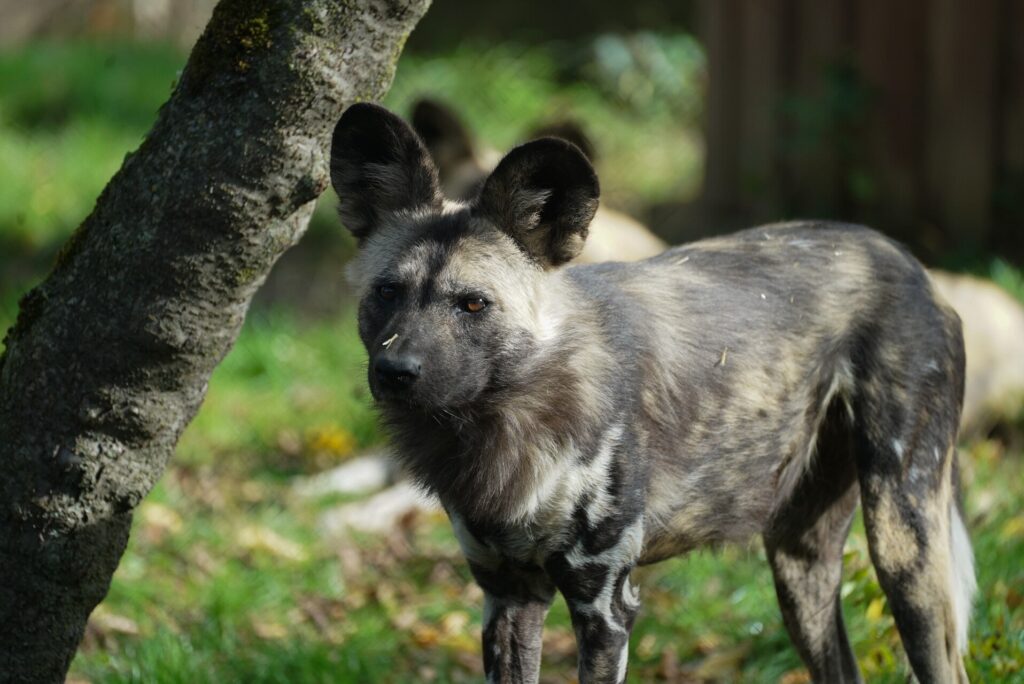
473, 304
387, 292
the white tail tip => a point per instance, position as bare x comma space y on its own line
964, 584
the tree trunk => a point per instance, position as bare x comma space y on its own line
109, 358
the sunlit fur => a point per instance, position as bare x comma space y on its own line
594, 418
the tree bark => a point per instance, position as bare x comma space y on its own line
109, 358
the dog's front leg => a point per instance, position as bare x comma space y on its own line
516, 601
603, 605
512, 639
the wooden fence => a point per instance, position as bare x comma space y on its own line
907, 114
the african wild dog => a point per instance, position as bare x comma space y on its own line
577, 422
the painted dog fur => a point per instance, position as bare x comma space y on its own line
579, 421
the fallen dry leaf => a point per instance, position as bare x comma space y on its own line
799, 676
1014, 598
252, 491
1012, 528
269, 631
455, 622
107, 622
158, 522
264, 540
645, 647
333, 440
708, 644
559, 643
668, 669
425, 635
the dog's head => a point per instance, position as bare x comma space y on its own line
453, 296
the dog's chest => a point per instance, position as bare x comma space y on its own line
571, 496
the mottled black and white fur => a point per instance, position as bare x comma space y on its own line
577, 422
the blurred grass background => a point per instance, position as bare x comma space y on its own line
228, 576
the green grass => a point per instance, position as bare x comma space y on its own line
228, 578
294, 391
228, 575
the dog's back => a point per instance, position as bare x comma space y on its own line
739, 348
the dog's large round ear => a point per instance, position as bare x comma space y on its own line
544, 195
379, 166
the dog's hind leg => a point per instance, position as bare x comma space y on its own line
804, 542
922, 556
906, 463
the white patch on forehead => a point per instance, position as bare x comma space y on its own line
412, 266
527, 295
491, 257
386, 244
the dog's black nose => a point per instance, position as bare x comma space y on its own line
397, 372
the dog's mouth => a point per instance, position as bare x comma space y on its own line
420, 400
383, 394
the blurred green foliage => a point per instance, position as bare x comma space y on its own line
229, 578
70, 112
68, 116
638, 97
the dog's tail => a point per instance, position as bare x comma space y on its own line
963, 584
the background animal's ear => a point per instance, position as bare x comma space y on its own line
544, 195
379, 165
570, 130
446, 137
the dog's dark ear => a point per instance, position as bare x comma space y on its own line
570, 130
379, 165
544, 195
444, 134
